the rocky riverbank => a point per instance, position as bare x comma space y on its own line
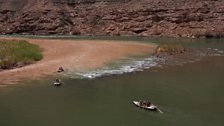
176, 54
170, 18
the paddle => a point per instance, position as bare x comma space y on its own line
160, 110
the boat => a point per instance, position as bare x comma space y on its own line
144, 106
57, 83
60, 69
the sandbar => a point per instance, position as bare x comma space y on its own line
73, 55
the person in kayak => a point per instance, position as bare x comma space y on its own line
60, 69
57, 80
148, 104
140, 102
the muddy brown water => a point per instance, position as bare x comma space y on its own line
189, 95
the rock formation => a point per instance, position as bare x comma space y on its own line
170, 18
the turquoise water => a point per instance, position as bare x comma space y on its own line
189, 95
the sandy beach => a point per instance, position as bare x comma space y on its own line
73, 55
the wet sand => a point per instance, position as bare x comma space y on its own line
73, 55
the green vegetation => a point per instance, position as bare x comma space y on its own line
17, 53
170, 48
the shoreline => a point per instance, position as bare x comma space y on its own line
73, 55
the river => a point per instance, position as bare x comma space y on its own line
189, 94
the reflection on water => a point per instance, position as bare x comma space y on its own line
190, 94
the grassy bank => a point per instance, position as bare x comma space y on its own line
17, 53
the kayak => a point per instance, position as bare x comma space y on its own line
151, 107
60, 71
57, 83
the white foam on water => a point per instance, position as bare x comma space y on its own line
221, 52
133, 66
136, 65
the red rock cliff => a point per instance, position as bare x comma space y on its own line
173, 18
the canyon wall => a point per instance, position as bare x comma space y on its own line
169, 18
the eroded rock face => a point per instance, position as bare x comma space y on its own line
172, 18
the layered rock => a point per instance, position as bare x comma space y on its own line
172, 18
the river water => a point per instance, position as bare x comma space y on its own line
189, 94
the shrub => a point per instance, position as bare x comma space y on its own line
17, 53
170, 48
